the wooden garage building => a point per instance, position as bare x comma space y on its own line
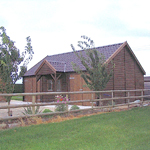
55, 73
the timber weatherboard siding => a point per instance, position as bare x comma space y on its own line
147, 85
29, 87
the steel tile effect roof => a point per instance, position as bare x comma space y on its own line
62, 62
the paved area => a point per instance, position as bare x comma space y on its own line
19, 111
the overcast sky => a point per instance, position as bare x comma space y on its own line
55, 24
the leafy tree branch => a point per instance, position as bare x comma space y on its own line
96, 74
11, 60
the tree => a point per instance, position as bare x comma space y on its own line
10, 60
96, 74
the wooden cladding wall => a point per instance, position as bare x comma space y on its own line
44, 70
78, 84
29, 87
75, 85
64, 82
127, 75
119, 74
139, 81
119, 71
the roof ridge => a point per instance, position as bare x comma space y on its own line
39, 62
53, 61
83, 50
110, 45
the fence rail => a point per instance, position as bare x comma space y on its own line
91, 99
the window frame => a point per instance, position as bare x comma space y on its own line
59, 88
48, 82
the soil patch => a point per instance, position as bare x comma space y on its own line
21, 122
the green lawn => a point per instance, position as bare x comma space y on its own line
126, 130
19, 98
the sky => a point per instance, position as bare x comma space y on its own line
55, 24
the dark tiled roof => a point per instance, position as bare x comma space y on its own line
58, 65
62, 62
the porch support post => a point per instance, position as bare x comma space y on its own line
55, 80
38, 77
55, 83
54, 77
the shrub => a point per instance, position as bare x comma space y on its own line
62, 106
74, 107
47, 111
28, 110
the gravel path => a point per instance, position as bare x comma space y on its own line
18, 111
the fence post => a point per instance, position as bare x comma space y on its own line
128, 99
142, 93
67, 102
92, 100
112, 95
33, 102
101, 103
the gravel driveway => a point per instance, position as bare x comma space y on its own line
18, 111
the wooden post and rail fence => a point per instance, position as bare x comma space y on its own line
91, 99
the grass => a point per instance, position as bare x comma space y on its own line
126, 130
19, 98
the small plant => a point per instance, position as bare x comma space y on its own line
62, 106
74, 107
28, 110
47, 111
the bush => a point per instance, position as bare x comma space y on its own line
28, 110
62, 100
61, 107
47, 111
74, 107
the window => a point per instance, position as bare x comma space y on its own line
50, 85
59, 85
